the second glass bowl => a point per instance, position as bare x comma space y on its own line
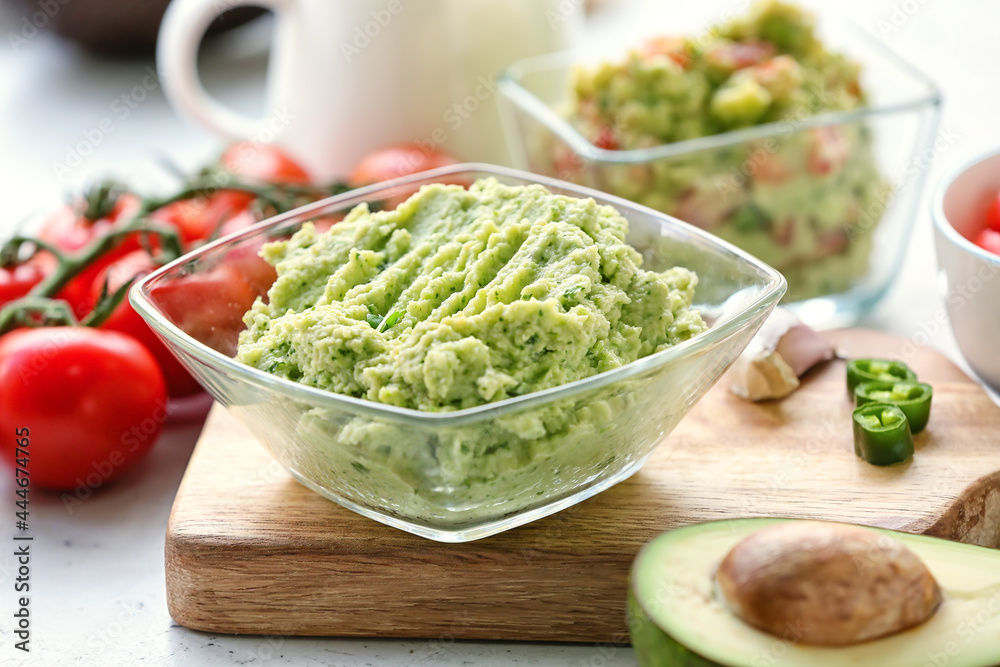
837, 228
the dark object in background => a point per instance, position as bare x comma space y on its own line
115, 28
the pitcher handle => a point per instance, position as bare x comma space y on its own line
184, 25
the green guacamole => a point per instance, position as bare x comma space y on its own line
805, 201
461, 297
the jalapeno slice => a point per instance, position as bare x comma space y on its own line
882, 434
913, 398
877, 370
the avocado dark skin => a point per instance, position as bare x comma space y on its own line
111, 28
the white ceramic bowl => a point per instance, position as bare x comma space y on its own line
970, 276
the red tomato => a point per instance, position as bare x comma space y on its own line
567, 163
674, 48
607, 139
771, 169
86, 405
71, 233
125, 320
394, 161
197, 219
993, 214
17, 281
256, 273
263, 163
827, 150
209, 305
989, 240
731, 56
238, 222
79, 292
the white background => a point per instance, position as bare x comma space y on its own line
97, 572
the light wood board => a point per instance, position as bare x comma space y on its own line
249, 550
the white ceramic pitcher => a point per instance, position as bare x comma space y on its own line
348, 76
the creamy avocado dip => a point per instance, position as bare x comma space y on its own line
805, 201
461, 297
458, 298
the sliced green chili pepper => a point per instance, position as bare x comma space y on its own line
882, 434
913, 398
877, 370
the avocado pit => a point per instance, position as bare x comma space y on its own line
826, 584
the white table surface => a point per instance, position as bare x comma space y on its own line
97, 571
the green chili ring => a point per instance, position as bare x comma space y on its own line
882, 434
913, 398
877, 370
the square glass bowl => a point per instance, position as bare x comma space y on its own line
829, 200
462, 475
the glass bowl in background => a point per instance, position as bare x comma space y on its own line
462, 475
834, 217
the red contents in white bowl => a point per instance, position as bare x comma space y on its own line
989, 238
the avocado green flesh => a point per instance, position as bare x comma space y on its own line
677, 618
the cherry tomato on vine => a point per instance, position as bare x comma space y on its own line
394, 161
93, 401
209, 305
68, 230
400, 160
17, 281
71, 232
263, 163
200, 218
125, 320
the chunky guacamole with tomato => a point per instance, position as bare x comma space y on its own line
461, 297
804, 201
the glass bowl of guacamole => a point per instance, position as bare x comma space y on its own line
473, 358
805, 142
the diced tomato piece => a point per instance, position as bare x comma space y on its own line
733, 56
827, 150
607, 139
674, 48
993, 213
989, 240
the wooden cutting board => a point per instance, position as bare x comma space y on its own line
249, 550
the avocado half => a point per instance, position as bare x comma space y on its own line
676, 618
